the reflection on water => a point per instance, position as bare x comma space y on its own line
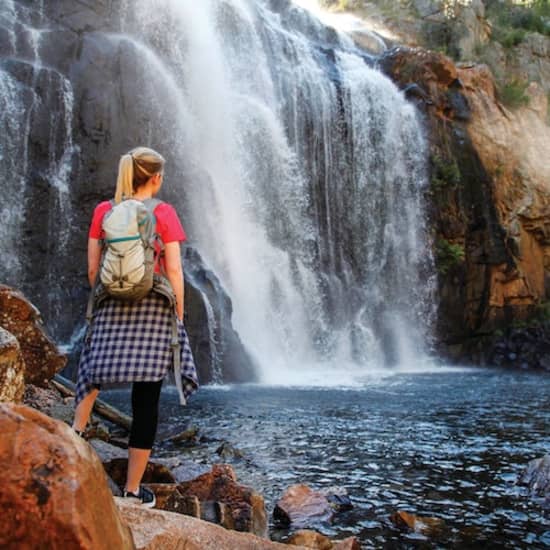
447, 445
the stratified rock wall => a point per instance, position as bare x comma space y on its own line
490, 195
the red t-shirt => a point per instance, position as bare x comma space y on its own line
168, 227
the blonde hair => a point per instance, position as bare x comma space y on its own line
134, 170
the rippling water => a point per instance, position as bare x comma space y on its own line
444, 444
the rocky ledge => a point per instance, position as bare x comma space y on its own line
489, 204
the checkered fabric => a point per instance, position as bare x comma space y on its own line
131, 342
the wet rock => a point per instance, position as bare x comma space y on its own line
301, 506
423, 525
41, 355
338, 498
536, 477
12, 368
228, 451
116, 468
53, 490
188, 436
313, 539
243, 508
159, 530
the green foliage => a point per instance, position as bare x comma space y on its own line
510, 37
512, 93
445, 173
448, 255
512, 20
441, 36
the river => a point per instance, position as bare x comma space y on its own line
446, 443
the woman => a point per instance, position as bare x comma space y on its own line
132, 342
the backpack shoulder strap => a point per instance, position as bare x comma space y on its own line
152, 203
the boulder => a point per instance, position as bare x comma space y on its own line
53, 490
238, 507
42, 357
159, 530
12, 368
313, 539
536, 477
301, 506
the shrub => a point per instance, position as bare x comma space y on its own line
445, 173
448, 255
512, 93
512, 38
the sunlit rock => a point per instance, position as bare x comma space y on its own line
53, 490
41, 355
239, 507
12, 368
159, 530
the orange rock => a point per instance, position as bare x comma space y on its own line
12, 368
160, 530
243, 508
22, 319
53, 489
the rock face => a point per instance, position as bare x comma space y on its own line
159, 530
490, 195
71, 75
12, 368
53, 492
41, 355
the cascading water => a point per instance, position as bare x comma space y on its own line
309, 203
33, 97
313, 217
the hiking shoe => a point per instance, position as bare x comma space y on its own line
144, 497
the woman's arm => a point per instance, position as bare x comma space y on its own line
174, 272
94, 257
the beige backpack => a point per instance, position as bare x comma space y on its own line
128, 261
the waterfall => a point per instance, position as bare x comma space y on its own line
312, 215
300, 169
34, 98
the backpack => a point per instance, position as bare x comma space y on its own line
128, 261
127, 269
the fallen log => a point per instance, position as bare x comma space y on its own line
67, 389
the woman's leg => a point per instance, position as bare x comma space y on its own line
145, 400
83, 410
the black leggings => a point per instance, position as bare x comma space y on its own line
145, 411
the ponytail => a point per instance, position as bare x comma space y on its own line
135, 169
124, 183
